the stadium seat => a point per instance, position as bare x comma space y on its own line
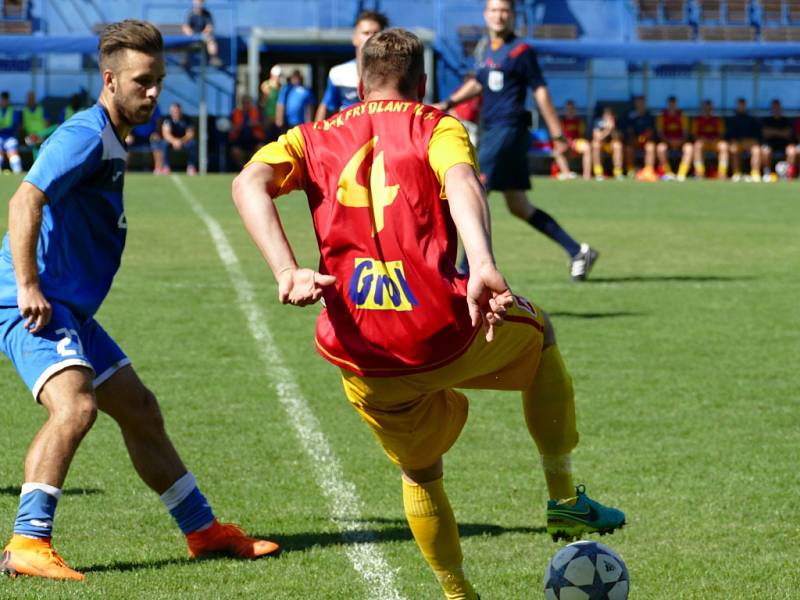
674, 11
15, 27
793, 11
736, 12
554, 32
710, 11
14, 9
648, 10
772, 12
666, 33
728, 34
780, 34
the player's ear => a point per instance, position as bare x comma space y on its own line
109, 81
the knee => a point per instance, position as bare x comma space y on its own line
549, 332
144, 412
76, 415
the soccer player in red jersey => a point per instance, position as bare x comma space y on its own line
673, 133
391, 183
708, 131
574, 128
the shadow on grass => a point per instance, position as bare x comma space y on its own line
395, 530
594, 315
669, 279
123, 566
14, 490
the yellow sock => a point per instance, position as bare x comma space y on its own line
549, 406
434, 527
722, 170
699, 169
683, 169
617, 171
598, 170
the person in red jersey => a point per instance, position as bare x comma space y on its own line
574, 129
391, 183
708, 131
673, 134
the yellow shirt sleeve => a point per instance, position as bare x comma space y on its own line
287, 157
450, 146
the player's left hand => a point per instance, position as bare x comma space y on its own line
301, 287
488, 297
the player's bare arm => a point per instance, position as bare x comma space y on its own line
24, 223
548, 112
488, 295
322, 112
471, 88
253, 192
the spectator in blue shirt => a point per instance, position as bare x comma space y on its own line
295, 103
341, 90
506, 66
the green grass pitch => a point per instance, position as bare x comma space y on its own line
683, 347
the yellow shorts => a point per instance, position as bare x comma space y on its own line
417, 418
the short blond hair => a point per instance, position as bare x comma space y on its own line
129, 34
393, 56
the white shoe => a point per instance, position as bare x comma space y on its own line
582, 262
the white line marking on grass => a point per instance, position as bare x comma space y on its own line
343, 500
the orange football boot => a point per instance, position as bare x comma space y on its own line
35, 557
230, 540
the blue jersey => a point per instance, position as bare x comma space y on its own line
506, 74
81, 170
295, 99
342, 89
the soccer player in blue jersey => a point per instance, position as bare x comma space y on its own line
67, 229
341, 90
506, 66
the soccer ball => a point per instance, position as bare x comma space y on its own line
586, 571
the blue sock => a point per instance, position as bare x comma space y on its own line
543, 222
187, 505
37, 509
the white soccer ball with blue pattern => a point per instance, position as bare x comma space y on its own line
586, 571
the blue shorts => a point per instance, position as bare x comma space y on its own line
65, 341
503, 158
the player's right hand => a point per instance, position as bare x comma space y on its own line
301, 287
488, 297
33, 307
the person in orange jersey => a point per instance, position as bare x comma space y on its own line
391, 183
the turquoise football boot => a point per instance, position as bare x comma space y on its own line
585, 516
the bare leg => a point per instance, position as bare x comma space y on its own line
136, 411
71, 408
518, 203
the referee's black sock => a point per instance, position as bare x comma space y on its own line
543, 222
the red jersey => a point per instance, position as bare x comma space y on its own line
708, 127
572, 127
385, 232
672, 125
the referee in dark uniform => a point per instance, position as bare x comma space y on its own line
506, 66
